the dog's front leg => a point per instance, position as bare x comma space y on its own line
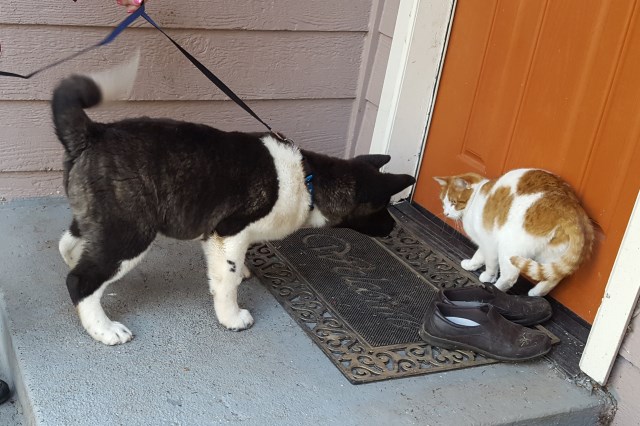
225, 262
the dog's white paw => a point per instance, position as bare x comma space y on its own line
111, 333
213, 283
246, 272
488, 277
70, 248
98, 325
241, 320
469, 265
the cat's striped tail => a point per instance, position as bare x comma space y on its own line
581, 236
76, 93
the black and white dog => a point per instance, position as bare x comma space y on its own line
130, 180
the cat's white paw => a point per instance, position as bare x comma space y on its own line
470, 265
507, 280
543, 288
111, 333
488, 277
502, 286
536, 291
238, 321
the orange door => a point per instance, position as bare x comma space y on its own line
549, 84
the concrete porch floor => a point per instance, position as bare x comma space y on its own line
183, 368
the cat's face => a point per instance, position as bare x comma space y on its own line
455, 192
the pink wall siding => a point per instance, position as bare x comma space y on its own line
296, 62
384, 15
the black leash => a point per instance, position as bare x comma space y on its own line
108, 39
203, 69
211, 76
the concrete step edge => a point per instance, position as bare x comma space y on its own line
10, 366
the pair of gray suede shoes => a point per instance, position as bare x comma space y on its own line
487, 321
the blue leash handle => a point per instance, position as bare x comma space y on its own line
121, 27
108, 39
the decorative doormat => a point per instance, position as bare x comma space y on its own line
362, 299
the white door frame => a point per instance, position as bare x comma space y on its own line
618, 303
411, 81
404, 116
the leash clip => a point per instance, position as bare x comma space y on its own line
281, 137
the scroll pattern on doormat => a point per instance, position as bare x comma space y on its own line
361, 300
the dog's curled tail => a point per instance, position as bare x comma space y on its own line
77, 93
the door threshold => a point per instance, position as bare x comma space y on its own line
572, 330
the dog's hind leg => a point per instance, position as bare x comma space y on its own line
225, 266
71, 245
100, 265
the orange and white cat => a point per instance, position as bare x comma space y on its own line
528, 221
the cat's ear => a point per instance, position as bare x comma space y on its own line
461, 184
442, 181
376, 160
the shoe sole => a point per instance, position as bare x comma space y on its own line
535, 322
451, 345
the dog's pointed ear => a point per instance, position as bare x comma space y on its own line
395, 183
376, 160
